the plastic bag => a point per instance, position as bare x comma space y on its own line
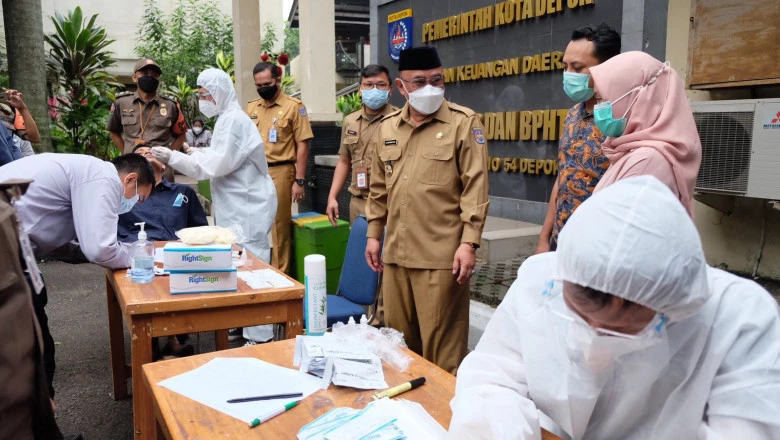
386, 342
211, 234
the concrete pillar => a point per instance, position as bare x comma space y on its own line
318, 48
246, 41
271, 12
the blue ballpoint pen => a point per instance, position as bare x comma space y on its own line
269, 416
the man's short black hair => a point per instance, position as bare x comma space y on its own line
135, 163
135, 148
374, 70
606, 40
262, 66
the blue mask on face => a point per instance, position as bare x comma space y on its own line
374, 98
602, 112
576, 86
125, 205
606, 122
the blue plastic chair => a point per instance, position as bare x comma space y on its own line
358, 285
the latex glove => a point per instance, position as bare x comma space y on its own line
162, 154
193, 150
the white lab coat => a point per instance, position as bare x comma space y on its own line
242, 190
716, 374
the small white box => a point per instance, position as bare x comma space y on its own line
180, 256
202, 281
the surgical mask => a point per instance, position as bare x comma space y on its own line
374, 98
576, 86
606, 122
426, 100
268, 92
208, 108
125, 205
595, 349
602, 112
148, 84
197, 130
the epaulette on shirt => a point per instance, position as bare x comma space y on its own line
391, 114
170, 98
254, 100
459, 108
121, 94
295, 100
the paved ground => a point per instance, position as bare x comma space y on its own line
77, 313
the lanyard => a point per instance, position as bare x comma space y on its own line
372, 131
148, 118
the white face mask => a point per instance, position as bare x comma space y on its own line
197, 130
595, 349
208, 108
426, 100
126, 205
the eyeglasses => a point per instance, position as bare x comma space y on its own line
202, 95
419, 82
378, 85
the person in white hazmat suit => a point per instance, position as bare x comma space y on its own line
625, 333
242, 190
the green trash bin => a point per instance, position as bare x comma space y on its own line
204, 189
321, 237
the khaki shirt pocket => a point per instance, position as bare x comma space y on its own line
129, 119
390, 158
284, 131
436, 166
162, 122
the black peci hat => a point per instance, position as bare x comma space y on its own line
419, 58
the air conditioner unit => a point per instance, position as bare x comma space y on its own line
740, 143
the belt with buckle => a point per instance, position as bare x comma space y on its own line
284, 162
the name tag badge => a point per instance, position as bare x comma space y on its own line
272, 135
361, 178
179, 199
29, 258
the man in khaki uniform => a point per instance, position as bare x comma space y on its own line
144, 117
358, 142
429, 187
25, 404
286, 131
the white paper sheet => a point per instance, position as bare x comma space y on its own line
221, 379
264, 279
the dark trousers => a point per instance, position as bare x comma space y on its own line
39, 303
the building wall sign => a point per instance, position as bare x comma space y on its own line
399, 33
504, 60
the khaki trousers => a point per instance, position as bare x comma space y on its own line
283, 177
432, 311
357, 206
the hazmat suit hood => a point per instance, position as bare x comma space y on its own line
242, 190
635, 240
219, 84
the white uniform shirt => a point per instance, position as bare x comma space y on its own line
72, 197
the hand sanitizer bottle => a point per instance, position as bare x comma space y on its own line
142, 252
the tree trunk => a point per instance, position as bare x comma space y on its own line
26, 60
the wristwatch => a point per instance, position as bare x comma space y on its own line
300, 182
474, 246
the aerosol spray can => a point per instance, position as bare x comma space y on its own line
315, 303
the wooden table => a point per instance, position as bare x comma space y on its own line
179, 417
149, 310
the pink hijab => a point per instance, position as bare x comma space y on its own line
660, 122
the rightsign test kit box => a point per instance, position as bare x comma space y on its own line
203, 281
179, 256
